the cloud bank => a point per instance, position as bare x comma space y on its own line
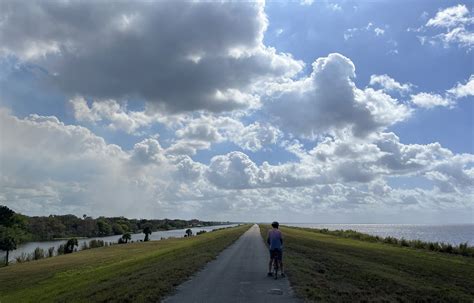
49, 165
216, 124
180, 56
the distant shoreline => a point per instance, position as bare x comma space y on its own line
454, 234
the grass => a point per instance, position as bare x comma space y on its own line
136, 272
329, 268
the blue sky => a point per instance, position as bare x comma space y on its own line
319, 30
339, 111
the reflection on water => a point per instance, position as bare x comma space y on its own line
29, 247
454, 233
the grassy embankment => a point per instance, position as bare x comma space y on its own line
324, 267
136, 272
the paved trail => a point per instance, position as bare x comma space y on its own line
237, 275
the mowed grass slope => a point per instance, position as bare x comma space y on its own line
327, 268
136, 272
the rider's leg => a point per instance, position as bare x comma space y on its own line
270, 265
280, 261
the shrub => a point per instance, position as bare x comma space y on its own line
462, 249
84, 246
51, 252
61, 249
96, 243
434, 246
419, 244
23, 258
447, 248
70, 244
465, 250
390, 240
38, 253
200, 232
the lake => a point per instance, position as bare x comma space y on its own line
29, 247
453, 233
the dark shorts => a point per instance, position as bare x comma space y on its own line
276, 253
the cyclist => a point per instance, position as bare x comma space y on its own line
275, 240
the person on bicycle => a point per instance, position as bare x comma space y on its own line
275, 241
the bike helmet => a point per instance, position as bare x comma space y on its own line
275, 224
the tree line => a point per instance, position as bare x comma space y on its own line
66, 226
16, 228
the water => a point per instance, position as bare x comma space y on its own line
453, 234
29, 247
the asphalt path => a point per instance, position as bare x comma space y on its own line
239, 274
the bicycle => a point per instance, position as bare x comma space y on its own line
276, 264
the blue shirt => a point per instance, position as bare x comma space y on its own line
275, 239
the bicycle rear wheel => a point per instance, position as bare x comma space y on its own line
275, 268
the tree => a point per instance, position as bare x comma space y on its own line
6, 216
126, 237
88, 228
189, 232
125, 226
56, 228
8, 241
12, 230
117, 229
147, 232
70, 245
104, 228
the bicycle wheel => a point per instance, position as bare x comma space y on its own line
275, 268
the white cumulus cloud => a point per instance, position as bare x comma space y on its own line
429, 100
389, 84
113, 114
451, 96
328, 100
456, 21
463, 90
451, 17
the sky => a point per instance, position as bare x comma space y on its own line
311, 111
